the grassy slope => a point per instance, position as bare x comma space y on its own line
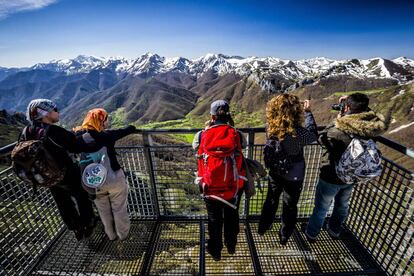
389, 99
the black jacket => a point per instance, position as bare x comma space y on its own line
108, 138
59, 141
293, 146
336, 138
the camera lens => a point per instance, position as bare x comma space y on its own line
336, 107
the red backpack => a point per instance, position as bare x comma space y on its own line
220, 160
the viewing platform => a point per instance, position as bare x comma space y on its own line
169, 223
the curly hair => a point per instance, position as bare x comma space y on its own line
283, 113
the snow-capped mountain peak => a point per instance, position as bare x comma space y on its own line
404, 61
150, 64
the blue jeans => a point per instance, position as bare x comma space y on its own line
325, 193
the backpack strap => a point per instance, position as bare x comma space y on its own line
222, 200
43, 133
22, 135
56, 144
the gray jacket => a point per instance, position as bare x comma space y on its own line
254, 171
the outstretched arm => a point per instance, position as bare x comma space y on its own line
115, 134
311, 133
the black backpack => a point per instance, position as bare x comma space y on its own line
275, 157
33, 162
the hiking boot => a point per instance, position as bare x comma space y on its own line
262, 230
332, 234
308, 238
283, 239
88, 231
216, 255
79, 233
231, 249
120, 248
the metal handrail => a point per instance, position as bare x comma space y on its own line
385, 141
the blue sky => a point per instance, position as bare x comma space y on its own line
34, 31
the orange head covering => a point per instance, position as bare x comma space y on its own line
94, 120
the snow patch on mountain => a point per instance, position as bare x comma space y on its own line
404, 61
401, 69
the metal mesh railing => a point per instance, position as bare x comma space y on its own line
141, 199
305, 205
382, 218
174, 169
168, 231
28, 224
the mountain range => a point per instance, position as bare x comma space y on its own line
150, 64
152, 88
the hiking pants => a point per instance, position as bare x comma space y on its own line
72, 200
291, 193
218, 214
111, 201
326, 193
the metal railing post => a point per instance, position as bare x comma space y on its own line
202, 259
253, 250
151, 173
250, 151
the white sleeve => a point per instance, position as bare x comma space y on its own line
196, 141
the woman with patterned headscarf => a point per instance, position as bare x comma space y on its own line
102, 175
71, 200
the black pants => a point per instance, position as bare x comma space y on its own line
72, 201
291, 192
218, 214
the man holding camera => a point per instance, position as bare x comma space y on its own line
354, 120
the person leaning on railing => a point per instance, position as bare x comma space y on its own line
77, 215
354, 120
111, 197
284, 145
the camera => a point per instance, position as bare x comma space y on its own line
339, 107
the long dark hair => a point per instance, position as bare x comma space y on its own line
225, 117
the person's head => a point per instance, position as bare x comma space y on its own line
220, 111
96, 119
42, 110
283, 113
356, 103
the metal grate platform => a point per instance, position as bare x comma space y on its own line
173, 248
97, 255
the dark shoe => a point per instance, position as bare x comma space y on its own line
283, 239
308, 238
216, 256
231, 249
332, 234
88, 231
79, 234
261, 230
120, 248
